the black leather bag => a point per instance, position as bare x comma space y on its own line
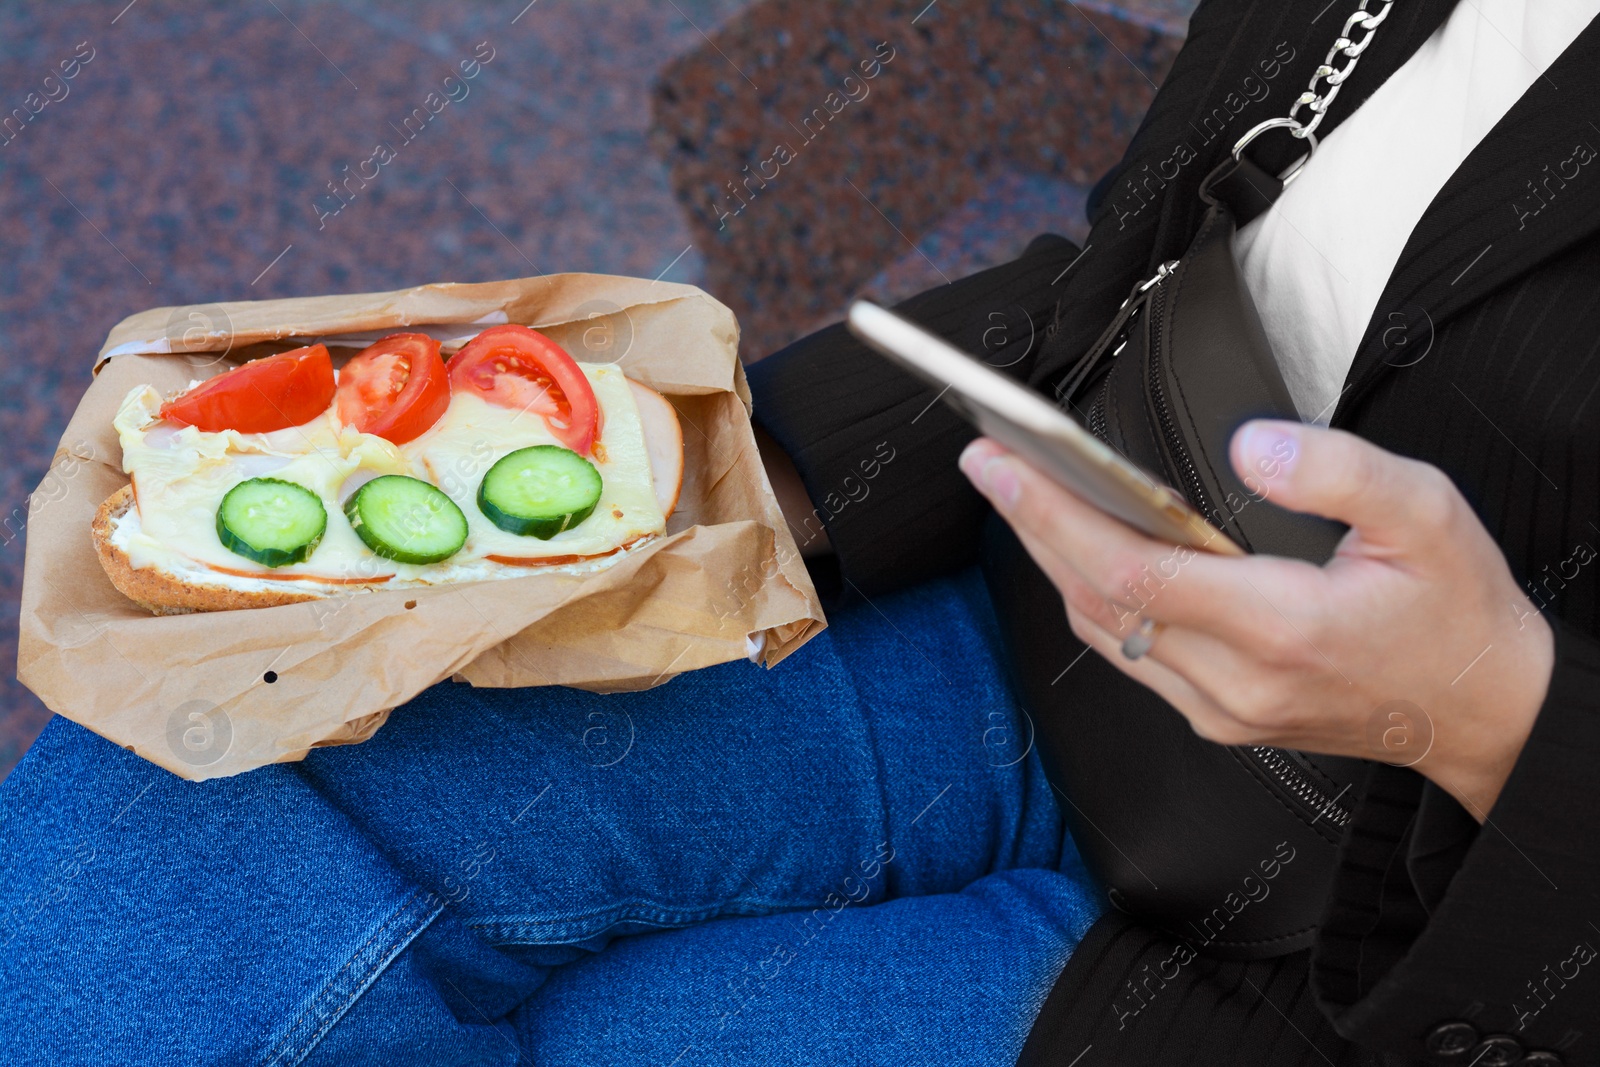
1185, 362
1230, 849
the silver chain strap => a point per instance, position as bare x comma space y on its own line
1324, 87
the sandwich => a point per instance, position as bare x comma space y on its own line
283, 480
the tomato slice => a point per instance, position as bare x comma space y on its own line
289, 389
516, 367
396, 388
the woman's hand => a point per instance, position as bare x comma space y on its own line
1413, 645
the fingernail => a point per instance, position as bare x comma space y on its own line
1268, 447
992, 472
1000, 480
972, 457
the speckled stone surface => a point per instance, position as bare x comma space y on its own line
811, 131
1010, 209
183, 163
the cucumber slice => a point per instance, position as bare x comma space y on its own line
406, 520
539, 491
271, 521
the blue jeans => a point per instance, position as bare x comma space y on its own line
852, 858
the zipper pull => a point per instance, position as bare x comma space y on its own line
1151, 282
1114, 333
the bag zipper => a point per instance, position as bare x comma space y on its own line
1176, 450
1115, 334
1277, 765
1097, 412
1274, 762
1302, 788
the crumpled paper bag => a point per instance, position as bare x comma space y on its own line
219, 693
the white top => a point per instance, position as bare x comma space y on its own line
1318, 261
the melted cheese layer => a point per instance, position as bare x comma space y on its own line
181, 474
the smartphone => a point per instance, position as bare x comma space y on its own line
1038, 431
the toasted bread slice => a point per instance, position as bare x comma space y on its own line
162, 593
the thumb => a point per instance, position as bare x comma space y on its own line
1390, 499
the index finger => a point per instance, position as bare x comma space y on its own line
1172, 583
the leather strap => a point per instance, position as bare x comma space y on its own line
1241, 187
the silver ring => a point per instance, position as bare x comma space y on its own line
1137, 644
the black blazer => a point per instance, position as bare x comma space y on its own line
1441, 942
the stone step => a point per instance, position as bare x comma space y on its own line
811, 142
1011, 209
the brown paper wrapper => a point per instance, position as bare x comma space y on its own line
192, 692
